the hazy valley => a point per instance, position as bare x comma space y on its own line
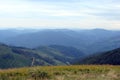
19, 48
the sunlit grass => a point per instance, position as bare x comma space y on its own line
73, 72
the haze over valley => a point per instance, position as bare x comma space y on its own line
58, 47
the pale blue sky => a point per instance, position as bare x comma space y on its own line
70, 14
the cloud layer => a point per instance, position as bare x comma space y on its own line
60, 13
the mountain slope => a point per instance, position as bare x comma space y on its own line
62, 53
10, 59
111, 57
20, 57
107, 44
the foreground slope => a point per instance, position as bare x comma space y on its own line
82, 72
11, 57
111, 57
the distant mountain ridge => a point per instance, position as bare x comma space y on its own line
8, 33
88, 41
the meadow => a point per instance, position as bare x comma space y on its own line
72, 72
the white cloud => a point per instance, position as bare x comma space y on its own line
79, 13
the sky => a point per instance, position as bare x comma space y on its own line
70, 14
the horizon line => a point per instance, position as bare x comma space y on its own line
18, 28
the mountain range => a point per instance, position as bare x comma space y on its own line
88, 41
21, 48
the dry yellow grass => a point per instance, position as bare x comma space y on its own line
73, 72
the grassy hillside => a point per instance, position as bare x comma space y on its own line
11, 57
62, 53
83, 72
110, 57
